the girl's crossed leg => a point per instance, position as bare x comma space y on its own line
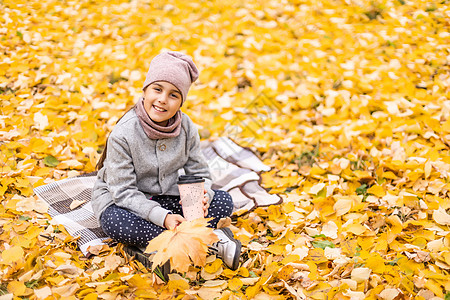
125, 227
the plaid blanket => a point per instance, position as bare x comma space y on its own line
233, 168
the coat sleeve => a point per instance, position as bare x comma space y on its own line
196, 163
122, 183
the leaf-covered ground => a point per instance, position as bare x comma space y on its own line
348, 101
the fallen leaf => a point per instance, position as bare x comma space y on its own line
69, 270
76, 203
354, 295
41, 121
254, 246
330, 229
12, 255
441, 217
342, 206
377, 191
70, 164
43, 292
316, 188
176, 282
360, 274
296, 294
356, 229
389, 294
187, 242
66, 290
235, 284
17, 288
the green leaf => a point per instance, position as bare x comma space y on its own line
320, 235
394, 262
322, 193
31, 284
323, 244
362, 189
51, 161
24, 218
447, 296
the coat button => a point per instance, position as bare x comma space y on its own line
162, 147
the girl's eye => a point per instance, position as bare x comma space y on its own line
175, 96
157, 89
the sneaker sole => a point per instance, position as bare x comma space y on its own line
143, 259
227, 231
138, 255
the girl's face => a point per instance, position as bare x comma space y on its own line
162, 100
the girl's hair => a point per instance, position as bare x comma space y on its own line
102, 158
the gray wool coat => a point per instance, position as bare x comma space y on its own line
137, 168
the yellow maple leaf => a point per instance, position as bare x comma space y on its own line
187, 242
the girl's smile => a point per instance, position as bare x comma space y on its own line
159, 109
162, 100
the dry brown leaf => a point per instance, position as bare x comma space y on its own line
68, 270
296, 294
224, 222
98, 249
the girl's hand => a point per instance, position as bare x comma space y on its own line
173, 220
205, 202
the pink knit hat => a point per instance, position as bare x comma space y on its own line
174, 67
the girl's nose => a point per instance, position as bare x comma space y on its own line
163, 97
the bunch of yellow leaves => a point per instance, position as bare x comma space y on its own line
185, 243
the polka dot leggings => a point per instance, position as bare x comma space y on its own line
125, 227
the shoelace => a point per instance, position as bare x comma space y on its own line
214, 247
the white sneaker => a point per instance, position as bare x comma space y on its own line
227, 248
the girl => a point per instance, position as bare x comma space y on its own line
136, 195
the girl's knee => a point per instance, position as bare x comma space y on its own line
223, 201
219, 194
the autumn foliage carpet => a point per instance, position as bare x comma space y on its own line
348, 101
